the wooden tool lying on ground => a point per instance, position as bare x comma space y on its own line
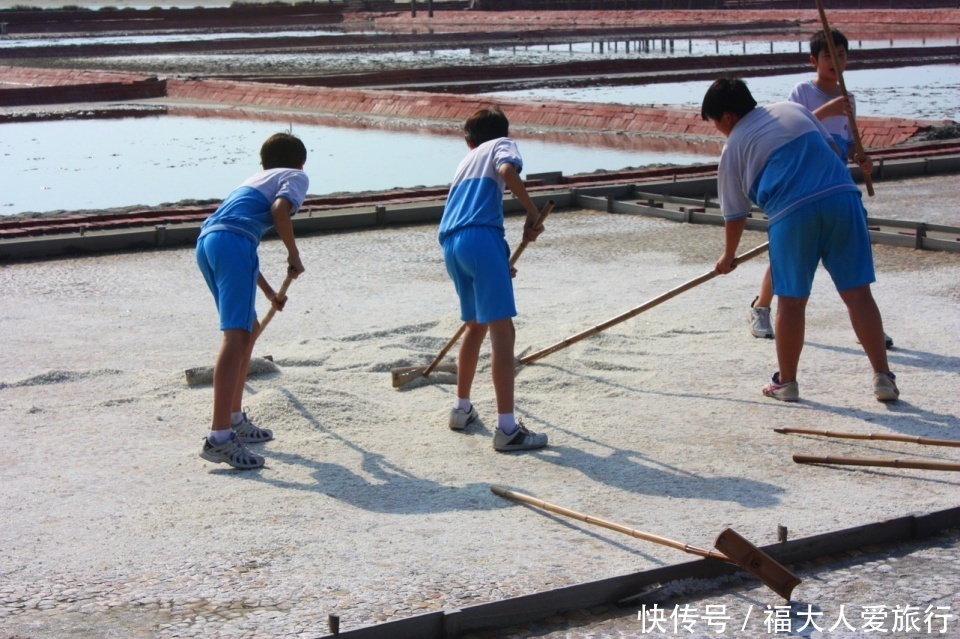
869, 461
733, 548
532, 357
258, 365
405, 374
835, 59
924, 441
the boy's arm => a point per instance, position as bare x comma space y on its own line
281, 211
512, 179
840, 105
733, 230
269, 293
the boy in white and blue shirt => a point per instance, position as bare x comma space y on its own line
780, 158
227, 258
824, 97
477, 258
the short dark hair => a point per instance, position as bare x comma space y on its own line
283, 151
727, 94
818, 42
488, 123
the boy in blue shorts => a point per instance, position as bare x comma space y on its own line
478, 260
227, 257
824, 97
780, 158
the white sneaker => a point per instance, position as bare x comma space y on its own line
759, 318
520, 439
460, 419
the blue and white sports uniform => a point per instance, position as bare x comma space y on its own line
779, 157
472, 235
838, 126
227, 246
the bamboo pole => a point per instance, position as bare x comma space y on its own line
925, 441
639, 309
868, 461
281, 296
832, 47
590, 519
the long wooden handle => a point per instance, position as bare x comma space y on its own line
532, 357
868, 461
925, 441
281, 295
544, 212
867, 178
590, 519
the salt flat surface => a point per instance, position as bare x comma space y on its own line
369, 506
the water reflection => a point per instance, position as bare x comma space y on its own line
91, 164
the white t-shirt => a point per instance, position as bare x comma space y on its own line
476, 196
809, 95
778, 157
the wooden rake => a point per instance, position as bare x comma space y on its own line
403, 375
532, 357
835, 59
731, 547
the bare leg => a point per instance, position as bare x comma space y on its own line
502, 339
469, 357
237, 405
868, 325
231, 362
765, 299
791, 324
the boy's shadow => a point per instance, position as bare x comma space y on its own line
622, 469
389, 489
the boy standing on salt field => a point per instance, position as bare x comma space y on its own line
780, 157
227, 257
824, 97
477, 258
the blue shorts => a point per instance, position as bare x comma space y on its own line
478, 261
230, 266
834, 230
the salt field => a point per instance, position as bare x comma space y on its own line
923, 92
353, 61
85, 164
15, 42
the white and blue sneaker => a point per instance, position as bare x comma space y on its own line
460, 419
520, 439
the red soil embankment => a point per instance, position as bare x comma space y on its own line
65, 85
928, 20
553, 114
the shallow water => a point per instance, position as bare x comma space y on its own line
922, 92
88, 164
15, 42
574, 51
